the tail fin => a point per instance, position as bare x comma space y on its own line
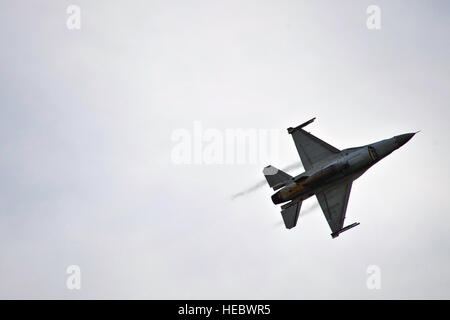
275, 177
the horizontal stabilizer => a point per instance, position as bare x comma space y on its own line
290, 215
275, 177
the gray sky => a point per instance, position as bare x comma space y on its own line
86, 124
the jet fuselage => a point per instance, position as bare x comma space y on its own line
348, 164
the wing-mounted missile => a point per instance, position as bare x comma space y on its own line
337, 233
291, 130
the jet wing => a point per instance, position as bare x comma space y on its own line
310, 148
334, 205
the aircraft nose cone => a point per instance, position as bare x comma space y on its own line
403, 138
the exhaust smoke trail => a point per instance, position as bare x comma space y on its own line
264, 182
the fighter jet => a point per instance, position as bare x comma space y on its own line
329, 175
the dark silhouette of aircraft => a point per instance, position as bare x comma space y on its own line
329, 174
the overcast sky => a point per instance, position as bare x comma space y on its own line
88, 120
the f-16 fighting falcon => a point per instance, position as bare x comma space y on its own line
329, 175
